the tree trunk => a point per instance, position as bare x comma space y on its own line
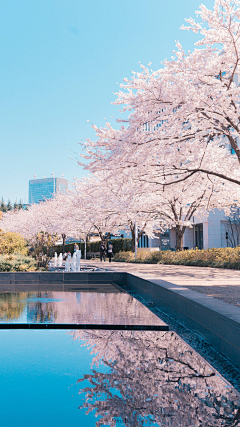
104, 238
133, 239
179, 236
132, 228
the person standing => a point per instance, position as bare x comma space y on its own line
76, 247
102, 250
110, 251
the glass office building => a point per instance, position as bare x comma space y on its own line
46, 188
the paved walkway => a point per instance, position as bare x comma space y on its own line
214, 282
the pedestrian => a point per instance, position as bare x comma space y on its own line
76, 247
102, 250
110, 251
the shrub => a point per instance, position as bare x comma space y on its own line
17, 262
12, 243
221, 258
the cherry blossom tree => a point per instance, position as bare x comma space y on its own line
106, 204
183, 118
39, 225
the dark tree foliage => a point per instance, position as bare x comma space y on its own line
4, 207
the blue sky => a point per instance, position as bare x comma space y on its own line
60, 62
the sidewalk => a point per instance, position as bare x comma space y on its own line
215, 282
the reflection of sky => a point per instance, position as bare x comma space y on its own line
44, 300
22, 318
39, 370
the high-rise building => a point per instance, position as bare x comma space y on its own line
46, 188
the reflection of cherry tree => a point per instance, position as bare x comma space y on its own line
41, 312
12, 305
156, 379
90, 307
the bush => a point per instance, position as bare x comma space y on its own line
220, 258
118, 245
17, 263
43, 247
12, 243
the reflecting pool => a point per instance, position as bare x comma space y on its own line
120, 378
82, 307
101, 377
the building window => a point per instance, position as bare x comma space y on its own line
143, 242
199, 236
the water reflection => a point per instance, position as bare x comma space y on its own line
12, 306
115, 308
154, 379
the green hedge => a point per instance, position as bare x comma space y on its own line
16, 262
118, 245
221, 258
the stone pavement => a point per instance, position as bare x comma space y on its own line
215, 282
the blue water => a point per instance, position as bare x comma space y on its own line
39, 370
136, 378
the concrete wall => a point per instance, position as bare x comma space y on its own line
215, 229
172, 239
60, 279
155, 242
217, 321
188, 240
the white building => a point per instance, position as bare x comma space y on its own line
212, 231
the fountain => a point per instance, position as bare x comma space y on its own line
78, 257
68, 263
55, 259
73, 263
60, 260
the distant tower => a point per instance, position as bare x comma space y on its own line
46, 188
